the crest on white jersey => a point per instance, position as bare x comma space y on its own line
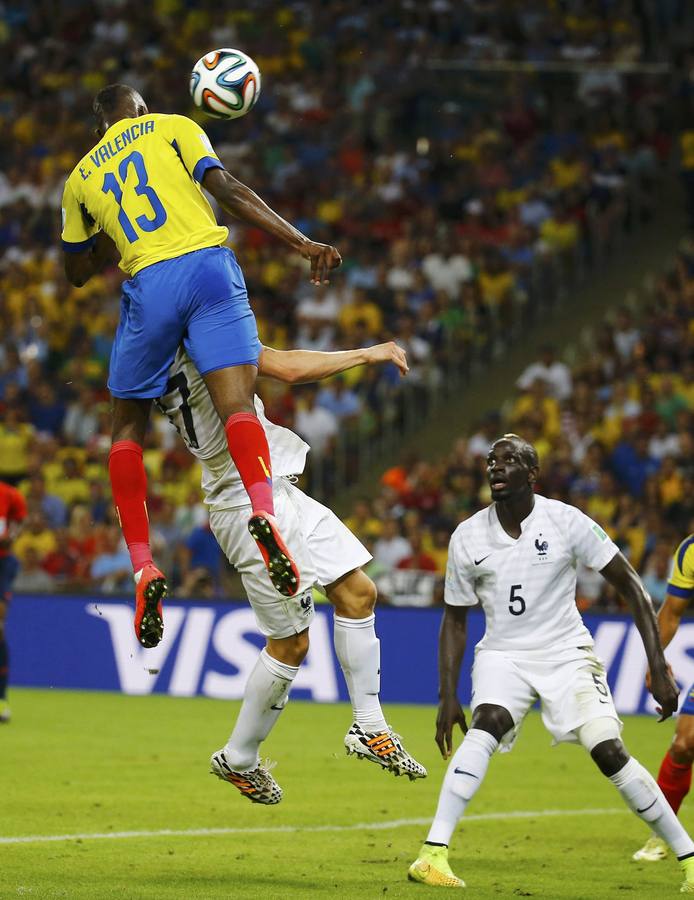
542, 548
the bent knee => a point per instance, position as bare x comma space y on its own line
495, 720
358, 603
291, 650
610, 756
682, 749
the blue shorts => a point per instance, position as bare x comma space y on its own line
688, 705
9, 566
200, 300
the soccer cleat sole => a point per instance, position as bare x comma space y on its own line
279, 564
352, 751
151, 628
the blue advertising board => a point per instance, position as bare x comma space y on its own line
209, 649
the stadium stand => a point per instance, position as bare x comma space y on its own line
615, 436
453, 242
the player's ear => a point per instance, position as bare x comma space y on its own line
533, 473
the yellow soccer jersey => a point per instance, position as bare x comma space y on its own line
681, 583
141, 185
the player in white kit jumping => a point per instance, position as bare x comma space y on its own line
518, 559
325, 551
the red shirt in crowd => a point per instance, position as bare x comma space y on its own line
13, 508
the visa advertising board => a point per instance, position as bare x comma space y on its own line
210, 648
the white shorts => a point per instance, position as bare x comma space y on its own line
572, 688
323, 548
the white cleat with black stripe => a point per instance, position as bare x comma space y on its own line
384, 748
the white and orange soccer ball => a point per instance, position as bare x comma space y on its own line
225, 84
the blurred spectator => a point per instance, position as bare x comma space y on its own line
316, 424
317, 314
32, 578
482, 439
16, 439
111, 571
53, 508
35, 536
549, 369
70, 485
360, 310
418, 558
391, 548
625, 336
81, 420
655, 575
363, 523
46, 409
202, 562
340, 401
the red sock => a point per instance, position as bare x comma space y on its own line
674, 780
129, 487
251, 454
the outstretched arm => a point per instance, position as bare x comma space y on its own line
301, 366
623, 577
245, 204
452, 640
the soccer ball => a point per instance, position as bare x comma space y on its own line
225, 84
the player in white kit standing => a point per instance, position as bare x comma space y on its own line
518, 559
325, 552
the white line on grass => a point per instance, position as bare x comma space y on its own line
306, 829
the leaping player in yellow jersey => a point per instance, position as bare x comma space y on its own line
140, 186
675, 775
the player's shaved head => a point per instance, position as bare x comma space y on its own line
526, 451
115, 102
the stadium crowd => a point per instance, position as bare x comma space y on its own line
615, 437
443, 235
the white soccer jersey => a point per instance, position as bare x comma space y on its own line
188, 406
527, 587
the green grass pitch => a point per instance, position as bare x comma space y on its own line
83, 763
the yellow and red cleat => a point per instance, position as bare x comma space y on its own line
149, 615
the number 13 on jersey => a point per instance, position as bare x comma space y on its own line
142, 189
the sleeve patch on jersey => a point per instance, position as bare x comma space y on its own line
202, 165
78, 247
599, 532
206, 142
682, 593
